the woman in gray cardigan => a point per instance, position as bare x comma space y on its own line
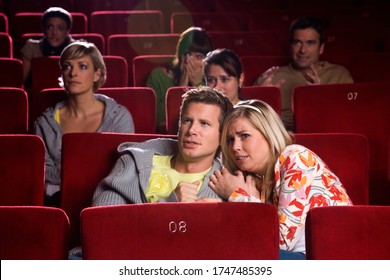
83, 73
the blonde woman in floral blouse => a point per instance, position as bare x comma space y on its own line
263, 165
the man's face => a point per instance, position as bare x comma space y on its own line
305, 48
56, 31
199, 133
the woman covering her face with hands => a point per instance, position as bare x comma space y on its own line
186, 69
263, 165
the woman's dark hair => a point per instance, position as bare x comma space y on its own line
194, 39
227, 59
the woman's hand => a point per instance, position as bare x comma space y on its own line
224, 183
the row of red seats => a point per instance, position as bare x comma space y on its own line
80, 174
126, 68
332, 233
25, 110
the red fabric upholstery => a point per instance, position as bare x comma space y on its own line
343, 41
86, 159
13, 7
347, 156
3, 23
247, 5
117, 71
348, 233
255, 65
89, 6
6, 45
270, 95
172, 108
265, 42
13, 110
356, 108
132, 45
33, 233
144, 64
210, 21
361, 66
22, 165
140, 101
45, 72
126, 22
181, 231
11, 72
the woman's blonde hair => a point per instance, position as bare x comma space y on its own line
267, 122
79, 49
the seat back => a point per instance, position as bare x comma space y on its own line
162, 230
355, 108
339, 150
255, 65
140, 101
6, 45
45, 72
348, 233
132, 45
270, 95
210, 21
117, 71
11, 72
264, 42
13, 111
126, 22
173, 100
3, 23
22, 165
33, 233
143, 65
86, 159
361, 66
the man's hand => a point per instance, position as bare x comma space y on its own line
267, 77
311, 76
187, 192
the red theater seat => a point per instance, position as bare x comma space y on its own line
270, 95
143, 65
3, 23
13, 111
339, 150
6, 45
265, 42
255, 65
211, 21
348, 233
181, 231
369, 67
92, 155
11, 72
33, 233
361, 108
131, 46
126, 22
172, 108
22, 165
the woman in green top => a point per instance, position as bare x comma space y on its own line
185, 70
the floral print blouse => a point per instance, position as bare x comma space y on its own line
303, 181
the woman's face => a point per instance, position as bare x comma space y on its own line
79, 75
247, 146
56, 31
217, 77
